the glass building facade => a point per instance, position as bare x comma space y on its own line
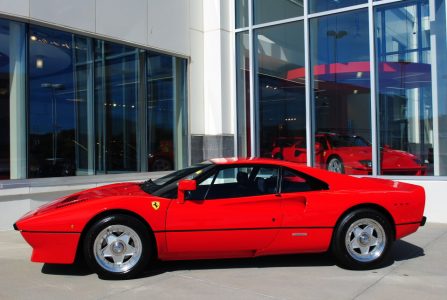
75, 105
355, 87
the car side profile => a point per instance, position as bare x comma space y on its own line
347, 154
226, 208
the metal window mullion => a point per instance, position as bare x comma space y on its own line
372, 72
336, 11
278, 22
310, 119
253, 135
234, 71
376, 3
142, 137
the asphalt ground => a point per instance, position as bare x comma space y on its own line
417, 270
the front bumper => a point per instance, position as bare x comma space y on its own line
52, 247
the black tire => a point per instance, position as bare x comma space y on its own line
125, 244
374, 240
335, 164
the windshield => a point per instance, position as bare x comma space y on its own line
151, 186
347, 141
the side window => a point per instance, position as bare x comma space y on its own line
292, 182
237, 182
266, 180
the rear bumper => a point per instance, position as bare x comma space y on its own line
423, 221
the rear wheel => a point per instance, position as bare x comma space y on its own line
362, 239
117, 247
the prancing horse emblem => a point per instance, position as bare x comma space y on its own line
155, 205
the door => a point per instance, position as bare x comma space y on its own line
233, 213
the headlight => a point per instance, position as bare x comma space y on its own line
366, 163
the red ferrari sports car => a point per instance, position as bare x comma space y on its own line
347, 154
226, 208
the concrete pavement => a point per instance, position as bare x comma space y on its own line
418, 270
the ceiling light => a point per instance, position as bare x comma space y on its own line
39, 63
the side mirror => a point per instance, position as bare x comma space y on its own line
183, 186
318, 147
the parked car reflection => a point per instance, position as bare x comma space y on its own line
348, 154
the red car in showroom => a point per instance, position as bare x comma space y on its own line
226, 208
348, 154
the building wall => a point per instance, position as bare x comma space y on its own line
141, 22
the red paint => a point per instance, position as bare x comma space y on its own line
239, 227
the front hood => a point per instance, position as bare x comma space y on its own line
354, 153
118, 189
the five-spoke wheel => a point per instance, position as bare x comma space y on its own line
362, 239
117, 246
335, 165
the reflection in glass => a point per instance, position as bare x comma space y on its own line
243, 93
341, 90
272, 10
52, 104
241, 7
5, 81
160, 111
324, 5
281, 88
83, 64
438, 32
116, 95
405, 98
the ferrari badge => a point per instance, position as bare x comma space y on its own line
155, 205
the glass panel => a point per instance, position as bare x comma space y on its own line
405, 97
281, 89
241, 7
160, 111
4, 100
324, 5
52, 104
341, 91
12, 100
243, 93
438, 31
272, 10
116, 95
292, 182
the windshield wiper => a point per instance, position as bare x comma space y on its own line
149, 186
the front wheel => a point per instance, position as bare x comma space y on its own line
335, 164
362, 240
117, 247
